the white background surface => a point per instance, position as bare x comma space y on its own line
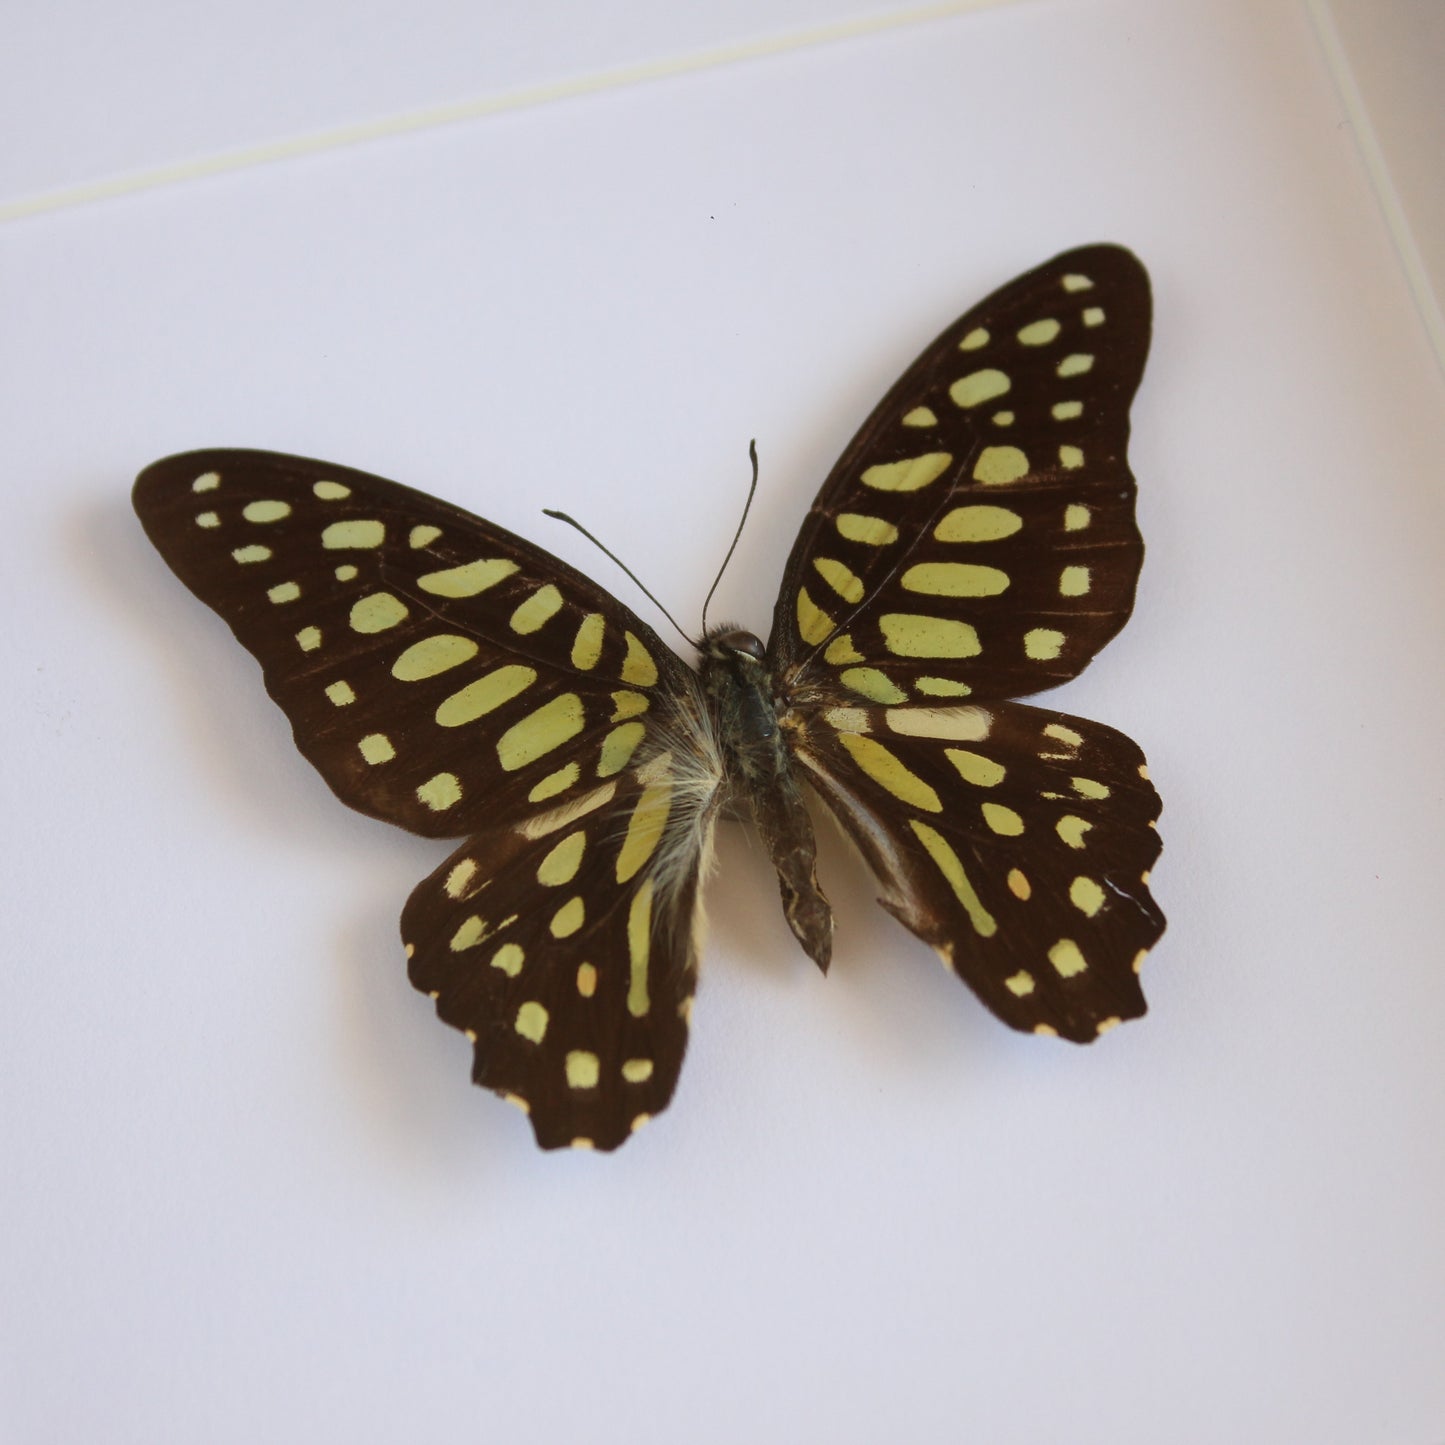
247, 1190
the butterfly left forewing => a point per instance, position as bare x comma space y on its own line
1014, 840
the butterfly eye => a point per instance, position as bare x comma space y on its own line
735, 639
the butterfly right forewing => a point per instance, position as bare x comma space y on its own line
977, 536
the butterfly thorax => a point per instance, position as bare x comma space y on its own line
740, 688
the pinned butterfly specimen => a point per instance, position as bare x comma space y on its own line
975, 544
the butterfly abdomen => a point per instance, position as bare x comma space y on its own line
739, 687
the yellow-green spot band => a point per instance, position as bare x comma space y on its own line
568, 918
508, 959
489, 691
909, 634
376, 748
440, 792
974, 768
639, 944
978, 387
358, 532
997, 466
951, 866
955, 579
840, 578
638, 667
874, 685
618, 747
1066, 958
377, 613
468, 580
538, 609
433, 655
644, 829
978, 524
532, 1021
562, 861
909, 475
870, 531
551, 725
582, 1069
266, 511
889, 772
587, 645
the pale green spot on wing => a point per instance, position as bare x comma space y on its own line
874, 685
266, 511
376, 748
489, 691
997, 466
468, 580
587, 645
532, 1021
909, 634
951, 866
554, 723
840, 578
440, 792
978, 387
562, 860
582, 1070
909, 475
1039, 333
638, 667
1043, 644
978, 524
955, 579
377, 613
889, 772
639, 945
538, 609
870, 531
358, 532
433, 655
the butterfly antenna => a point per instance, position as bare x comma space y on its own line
608, 552
737, 536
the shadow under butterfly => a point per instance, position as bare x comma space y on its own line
975, 544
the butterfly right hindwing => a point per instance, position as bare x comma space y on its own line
1014, 840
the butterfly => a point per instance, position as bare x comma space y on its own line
974, 544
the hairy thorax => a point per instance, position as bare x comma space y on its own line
740, 691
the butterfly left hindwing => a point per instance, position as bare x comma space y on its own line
449, 677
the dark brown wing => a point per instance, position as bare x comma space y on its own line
977, 537
446, 676
1014, 840
566, 950
439, 672
977, 541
